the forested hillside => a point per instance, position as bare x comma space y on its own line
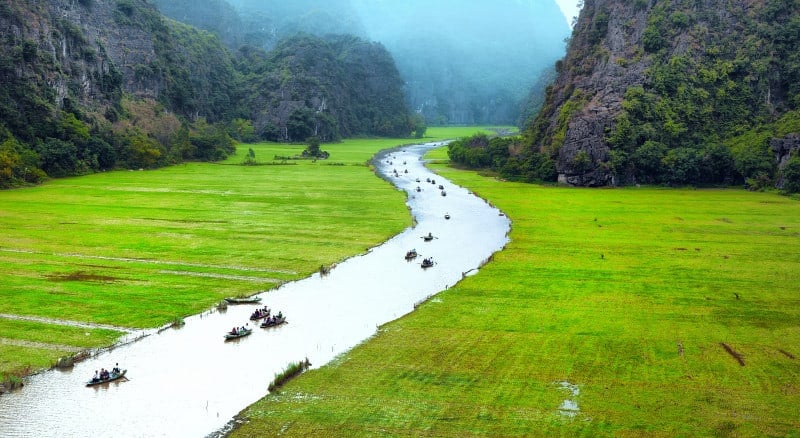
675, 92
461, 63
339, 86
92, 85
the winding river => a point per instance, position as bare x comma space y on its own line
189, 382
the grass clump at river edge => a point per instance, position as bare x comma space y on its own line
611, 312
141, 249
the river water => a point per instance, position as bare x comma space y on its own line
190, 382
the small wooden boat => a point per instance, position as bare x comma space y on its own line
417, 179
426, 263
447, 215
428, 238
242, 300
239, 334
433, 181
444, 193
111, 377
259, 314
411, 255
418, 189
441, 187
427, 180
273, 322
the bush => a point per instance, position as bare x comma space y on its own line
294, 369
791, 175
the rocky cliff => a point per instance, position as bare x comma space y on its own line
678, 92
333, 87
89, 85
90, 51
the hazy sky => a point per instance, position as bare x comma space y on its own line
570, 8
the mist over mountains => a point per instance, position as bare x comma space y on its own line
462, 62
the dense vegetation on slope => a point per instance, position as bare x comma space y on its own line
462, 63
100, 84
677, 92
96, 85
339, 86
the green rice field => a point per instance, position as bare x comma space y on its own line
612, 312
140, 249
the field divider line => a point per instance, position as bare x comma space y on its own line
41, 345
150, 261
67, 323
223, 276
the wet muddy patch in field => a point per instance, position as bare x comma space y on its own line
83, 276
569, 407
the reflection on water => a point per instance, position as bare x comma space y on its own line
190, 382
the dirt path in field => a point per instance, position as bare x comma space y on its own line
41, 345
68, 323
224, 276
155, 262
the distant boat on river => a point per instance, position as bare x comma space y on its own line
243, 300
111, 377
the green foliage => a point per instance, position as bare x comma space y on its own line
313, 150
705, 114
250, 159
599, 27
18, 164
329, 88
126, 7
791, 175
502, 155
418, 125
242, 130
294, 369
210, 142
573, 105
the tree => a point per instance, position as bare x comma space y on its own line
791, 175
242, 130
313, 150
418, 125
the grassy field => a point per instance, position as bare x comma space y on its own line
138, 249
623, 312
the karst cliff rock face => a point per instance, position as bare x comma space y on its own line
673, 77
88, 52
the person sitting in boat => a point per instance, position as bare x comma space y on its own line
116, 370
103, 374
234, 331
280, 315
96, 377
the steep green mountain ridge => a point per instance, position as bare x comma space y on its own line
91, 85
462, 63
677, 92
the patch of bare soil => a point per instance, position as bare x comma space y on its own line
83, 276
736, 355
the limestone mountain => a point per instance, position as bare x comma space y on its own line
333, 87
90, 85
461, 62
675, 92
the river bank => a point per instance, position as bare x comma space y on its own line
346, 304
605, 315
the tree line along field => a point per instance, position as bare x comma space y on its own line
139, 249
629, 312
